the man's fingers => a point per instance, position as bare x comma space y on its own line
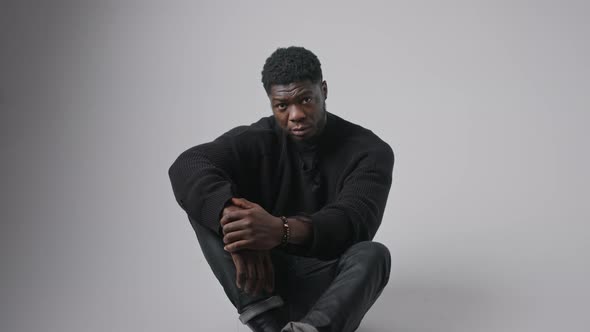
254, 271
260, 273
238, 245
242, 202
236, 236
236, 225
229, 209
252, 275
241, 272
232, 216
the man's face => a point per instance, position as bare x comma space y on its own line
299, 108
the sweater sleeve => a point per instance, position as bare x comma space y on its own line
202, 179
356, 213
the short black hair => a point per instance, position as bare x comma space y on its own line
289, 65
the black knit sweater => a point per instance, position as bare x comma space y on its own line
340, 180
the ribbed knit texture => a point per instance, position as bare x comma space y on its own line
341, 181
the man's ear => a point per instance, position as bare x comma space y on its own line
325, 89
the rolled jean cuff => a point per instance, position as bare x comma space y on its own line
257, 308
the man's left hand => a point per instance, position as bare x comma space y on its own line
250, 228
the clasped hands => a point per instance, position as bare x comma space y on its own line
249, 233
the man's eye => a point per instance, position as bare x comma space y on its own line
281, 106
307, 100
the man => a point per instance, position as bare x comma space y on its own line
285, 209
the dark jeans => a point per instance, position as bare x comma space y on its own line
331, 295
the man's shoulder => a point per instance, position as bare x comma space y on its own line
355, 136
263, 126
355, 143
258, 136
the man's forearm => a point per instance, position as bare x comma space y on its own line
301, 230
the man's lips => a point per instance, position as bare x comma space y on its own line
300, 131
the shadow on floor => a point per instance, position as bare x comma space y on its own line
427, 307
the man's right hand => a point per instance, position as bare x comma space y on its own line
254, 269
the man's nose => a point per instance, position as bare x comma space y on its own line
296, 114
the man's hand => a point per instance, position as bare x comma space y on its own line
254, 271
250, 227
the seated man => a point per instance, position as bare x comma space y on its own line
285, 209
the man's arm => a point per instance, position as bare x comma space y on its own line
353, 217
356, 213
202, 179
203, 183
252, 227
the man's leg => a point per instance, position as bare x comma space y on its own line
251, 308
350, 286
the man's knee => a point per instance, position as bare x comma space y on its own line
372, 256
371, 251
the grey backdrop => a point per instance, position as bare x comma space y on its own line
486, 104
